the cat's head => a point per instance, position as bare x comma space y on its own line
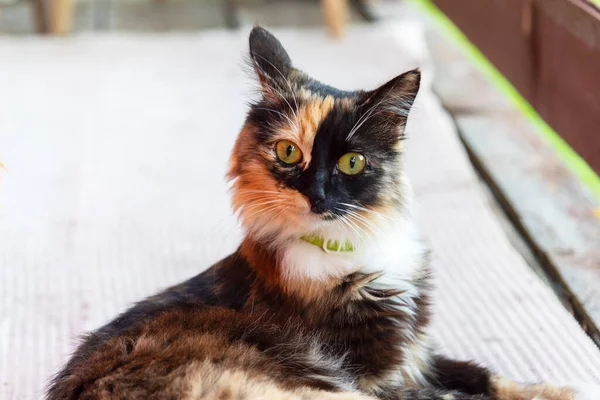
315, 160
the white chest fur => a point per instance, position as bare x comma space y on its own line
396, 253
396, 250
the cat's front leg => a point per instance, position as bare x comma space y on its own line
470, 378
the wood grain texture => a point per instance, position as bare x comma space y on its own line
61, 14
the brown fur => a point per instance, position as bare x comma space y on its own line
255, 190
159, 358
310, 116
505, 389
210, 383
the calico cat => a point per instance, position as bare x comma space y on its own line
327, 297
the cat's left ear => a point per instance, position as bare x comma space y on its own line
270, 60
394, 99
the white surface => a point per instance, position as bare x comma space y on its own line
116, 147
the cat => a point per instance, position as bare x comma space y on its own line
328, 295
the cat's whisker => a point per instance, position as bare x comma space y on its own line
244, 191
355, 227
351, 227
253, 211
264, 200
258, 190
361, 220
365, 229
366, 210
354, 206
355, 214
361, 232
255, 214
256, 204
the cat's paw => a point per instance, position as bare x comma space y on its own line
586, 392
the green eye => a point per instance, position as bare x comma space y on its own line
288, 152
352, 163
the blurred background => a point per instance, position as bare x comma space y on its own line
117, 118
61, 16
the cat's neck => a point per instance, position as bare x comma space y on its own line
297, 266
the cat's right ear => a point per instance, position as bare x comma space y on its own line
270, 61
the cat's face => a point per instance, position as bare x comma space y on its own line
314, 159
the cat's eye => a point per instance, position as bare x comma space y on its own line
352, 163
288, 152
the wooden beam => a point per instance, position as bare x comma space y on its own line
40, 15
335, 14
61, 13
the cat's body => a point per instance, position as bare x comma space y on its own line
323, 335
328, 295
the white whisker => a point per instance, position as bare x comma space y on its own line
257, 191
366, 210
359, 220
262, 211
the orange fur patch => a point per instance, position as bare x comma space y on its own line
256, 193
262, 260
505, 389
310, 117
207, 381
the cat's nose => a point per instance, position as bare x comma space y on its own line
316, 196
317, 205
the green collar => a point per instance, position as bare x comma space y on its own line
329, 245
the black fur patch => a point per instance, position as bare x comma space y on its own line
464, 376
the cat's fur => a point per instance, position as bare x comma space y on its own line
282, 318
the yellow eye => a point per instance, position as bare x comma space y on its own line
288, 152
352, 163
